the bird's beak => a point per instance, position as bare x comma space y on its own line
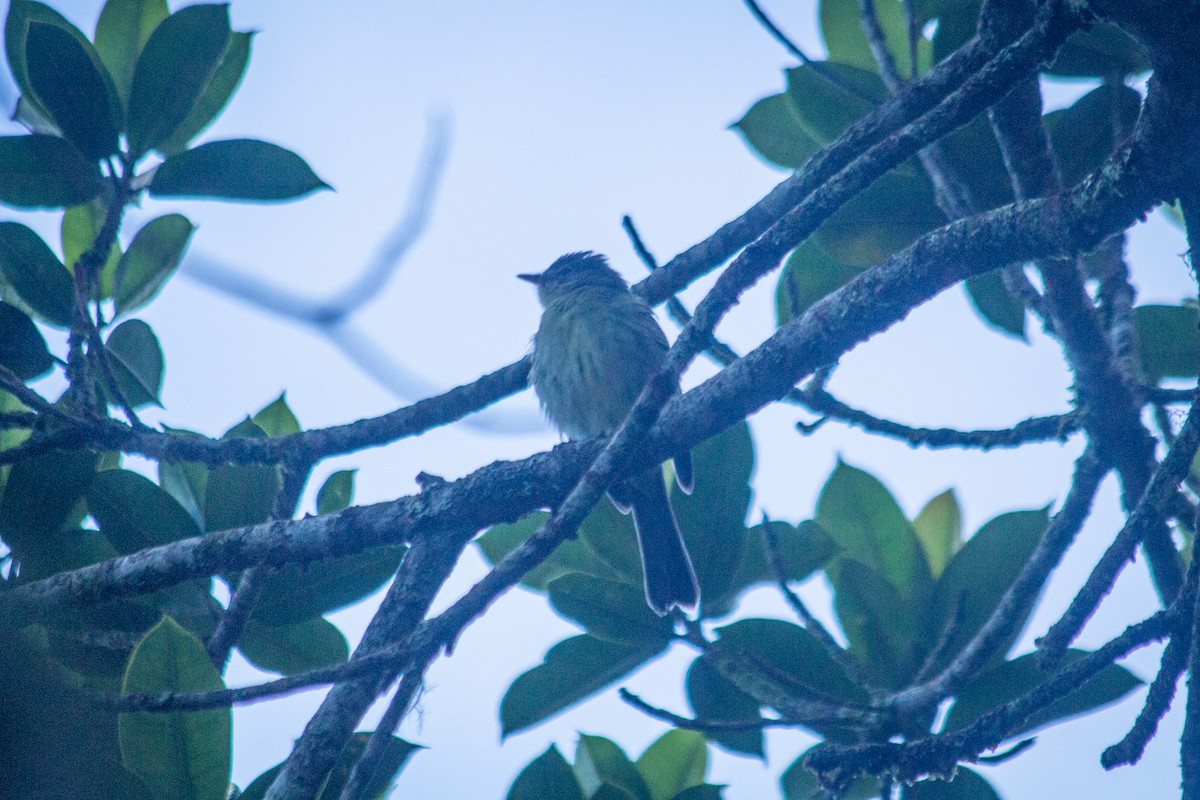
532, 277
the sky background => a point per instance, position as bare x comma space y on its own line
566, 116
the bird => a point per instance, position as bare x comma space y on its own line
595, 348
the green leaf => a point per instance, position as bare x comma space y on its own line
237, 495
939, 530
178, 62
80, 226
714, 698
1011, 679
122, 31
703, 791
39, 171
337, 493
972, 153
294, 594
810, 273
137, 362
177, 754
882, 219
573, 670
236, 169
21, 14
675, 761
998, 307
842, 30
152, 256
713, 518
547, 776
1088, 132
965, 785
803, 549
185, 481
866, 522
292, 649
772, 129
1102, 52
609, 610
70, 82
41, 495
794, 657
395, 754
798, 782
22, 348
956, 24
1168, 341
134, 513
600, 761
572, 556
979, 575
829, 97
216, 95
883, 628
276, 418
36, 275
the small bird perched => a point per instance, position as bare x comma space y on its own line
597, 345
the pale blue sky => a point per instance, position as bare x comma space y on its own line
566, 116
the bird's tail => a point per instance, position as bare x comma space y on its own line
670, 579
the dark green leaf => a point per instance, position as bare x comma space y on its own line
609, 610
965, 785
337, 492
1088, 132
882, 626
276, 418
610, 538
829, 97
177, 754
973, 155
842, 30
573, 670
294, 594
240, 495
939, 530
572, 556
713, 518
600, 761
22, 348
396, 753
772, 129
152, 256
39, 171
998, 307
236, 169
137, 362
1011, 679
979, 575
794, 657
809, 274
70, 82
798, 782
675, 761
122, 31
703, 791
62, 550
956, 24
866, 522
40, 496
882, 219
80, 226
1102, 52
1168, 341
547, 776
134, 513
186, 482
216, 95
803, 549
21, 14
714, 698
172, 72
36, 275
292, 649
